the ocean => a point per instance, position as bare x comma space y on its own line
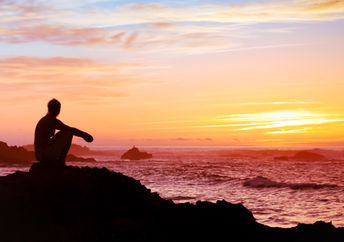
278, 192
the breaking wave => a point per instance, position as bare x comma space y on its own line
262, 182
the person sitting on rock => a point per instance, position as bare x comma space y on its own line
51, 147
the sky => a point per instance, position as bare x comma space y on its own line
206, 73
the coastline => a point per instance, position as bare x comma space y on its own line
94, 204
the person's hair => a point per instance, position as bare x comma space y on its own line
54, 107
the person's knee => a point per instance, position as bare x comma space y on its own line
65, 136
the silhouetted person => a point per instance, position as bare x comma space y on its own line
51, 147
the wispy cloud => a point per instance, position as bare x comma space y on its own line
276, 103
277, 122
57, 34
324, 5
150, 26
289, 131
73, 78
33, 69
279, 119
284, 11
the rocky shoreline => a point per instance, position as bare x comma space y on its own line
19, 155
91, 204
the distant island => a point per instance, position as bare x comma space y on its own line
18, 155
135, 154
75, 149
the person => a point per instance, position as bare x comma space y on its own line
51, 147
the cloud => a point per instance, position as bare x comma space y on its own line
129, 42
62, 35
72, 78
324, 5
58, 68
145, 6
196, 28
23, 13
88, 28
27, 92
277, 120
148, 37
289, 131
250, 12
23, 7
283, 11
276, 103
161, 25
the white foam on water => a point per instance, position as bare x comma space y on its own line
262, 182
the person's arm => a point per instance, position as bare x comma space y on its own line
77, 132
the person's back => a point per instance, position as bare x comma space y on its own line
50, 147
45, 129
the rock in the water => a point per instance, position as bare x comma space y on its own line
135, 154
308, 156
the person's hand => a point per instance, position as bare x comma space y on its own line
88, 138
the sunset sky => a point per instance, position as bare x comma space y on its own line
196, 72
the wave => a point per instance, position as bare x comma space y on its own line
262, 182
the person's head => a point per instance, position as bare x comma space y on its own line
54, 107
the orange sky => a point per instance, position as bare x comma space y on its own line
227, 73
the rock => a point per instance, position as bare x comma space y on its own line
14, 155
66, 203
135, 154
308, 156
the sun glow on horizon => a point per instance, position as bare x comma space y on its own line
279, 119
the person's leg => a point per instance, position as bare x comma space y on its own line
61, 144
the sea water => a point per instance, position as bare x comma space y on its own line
278, 193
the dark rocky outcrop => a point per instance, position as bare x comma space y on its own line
135, 154
17, 155
90, 204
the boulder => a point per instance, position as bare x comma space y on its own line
135, 154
